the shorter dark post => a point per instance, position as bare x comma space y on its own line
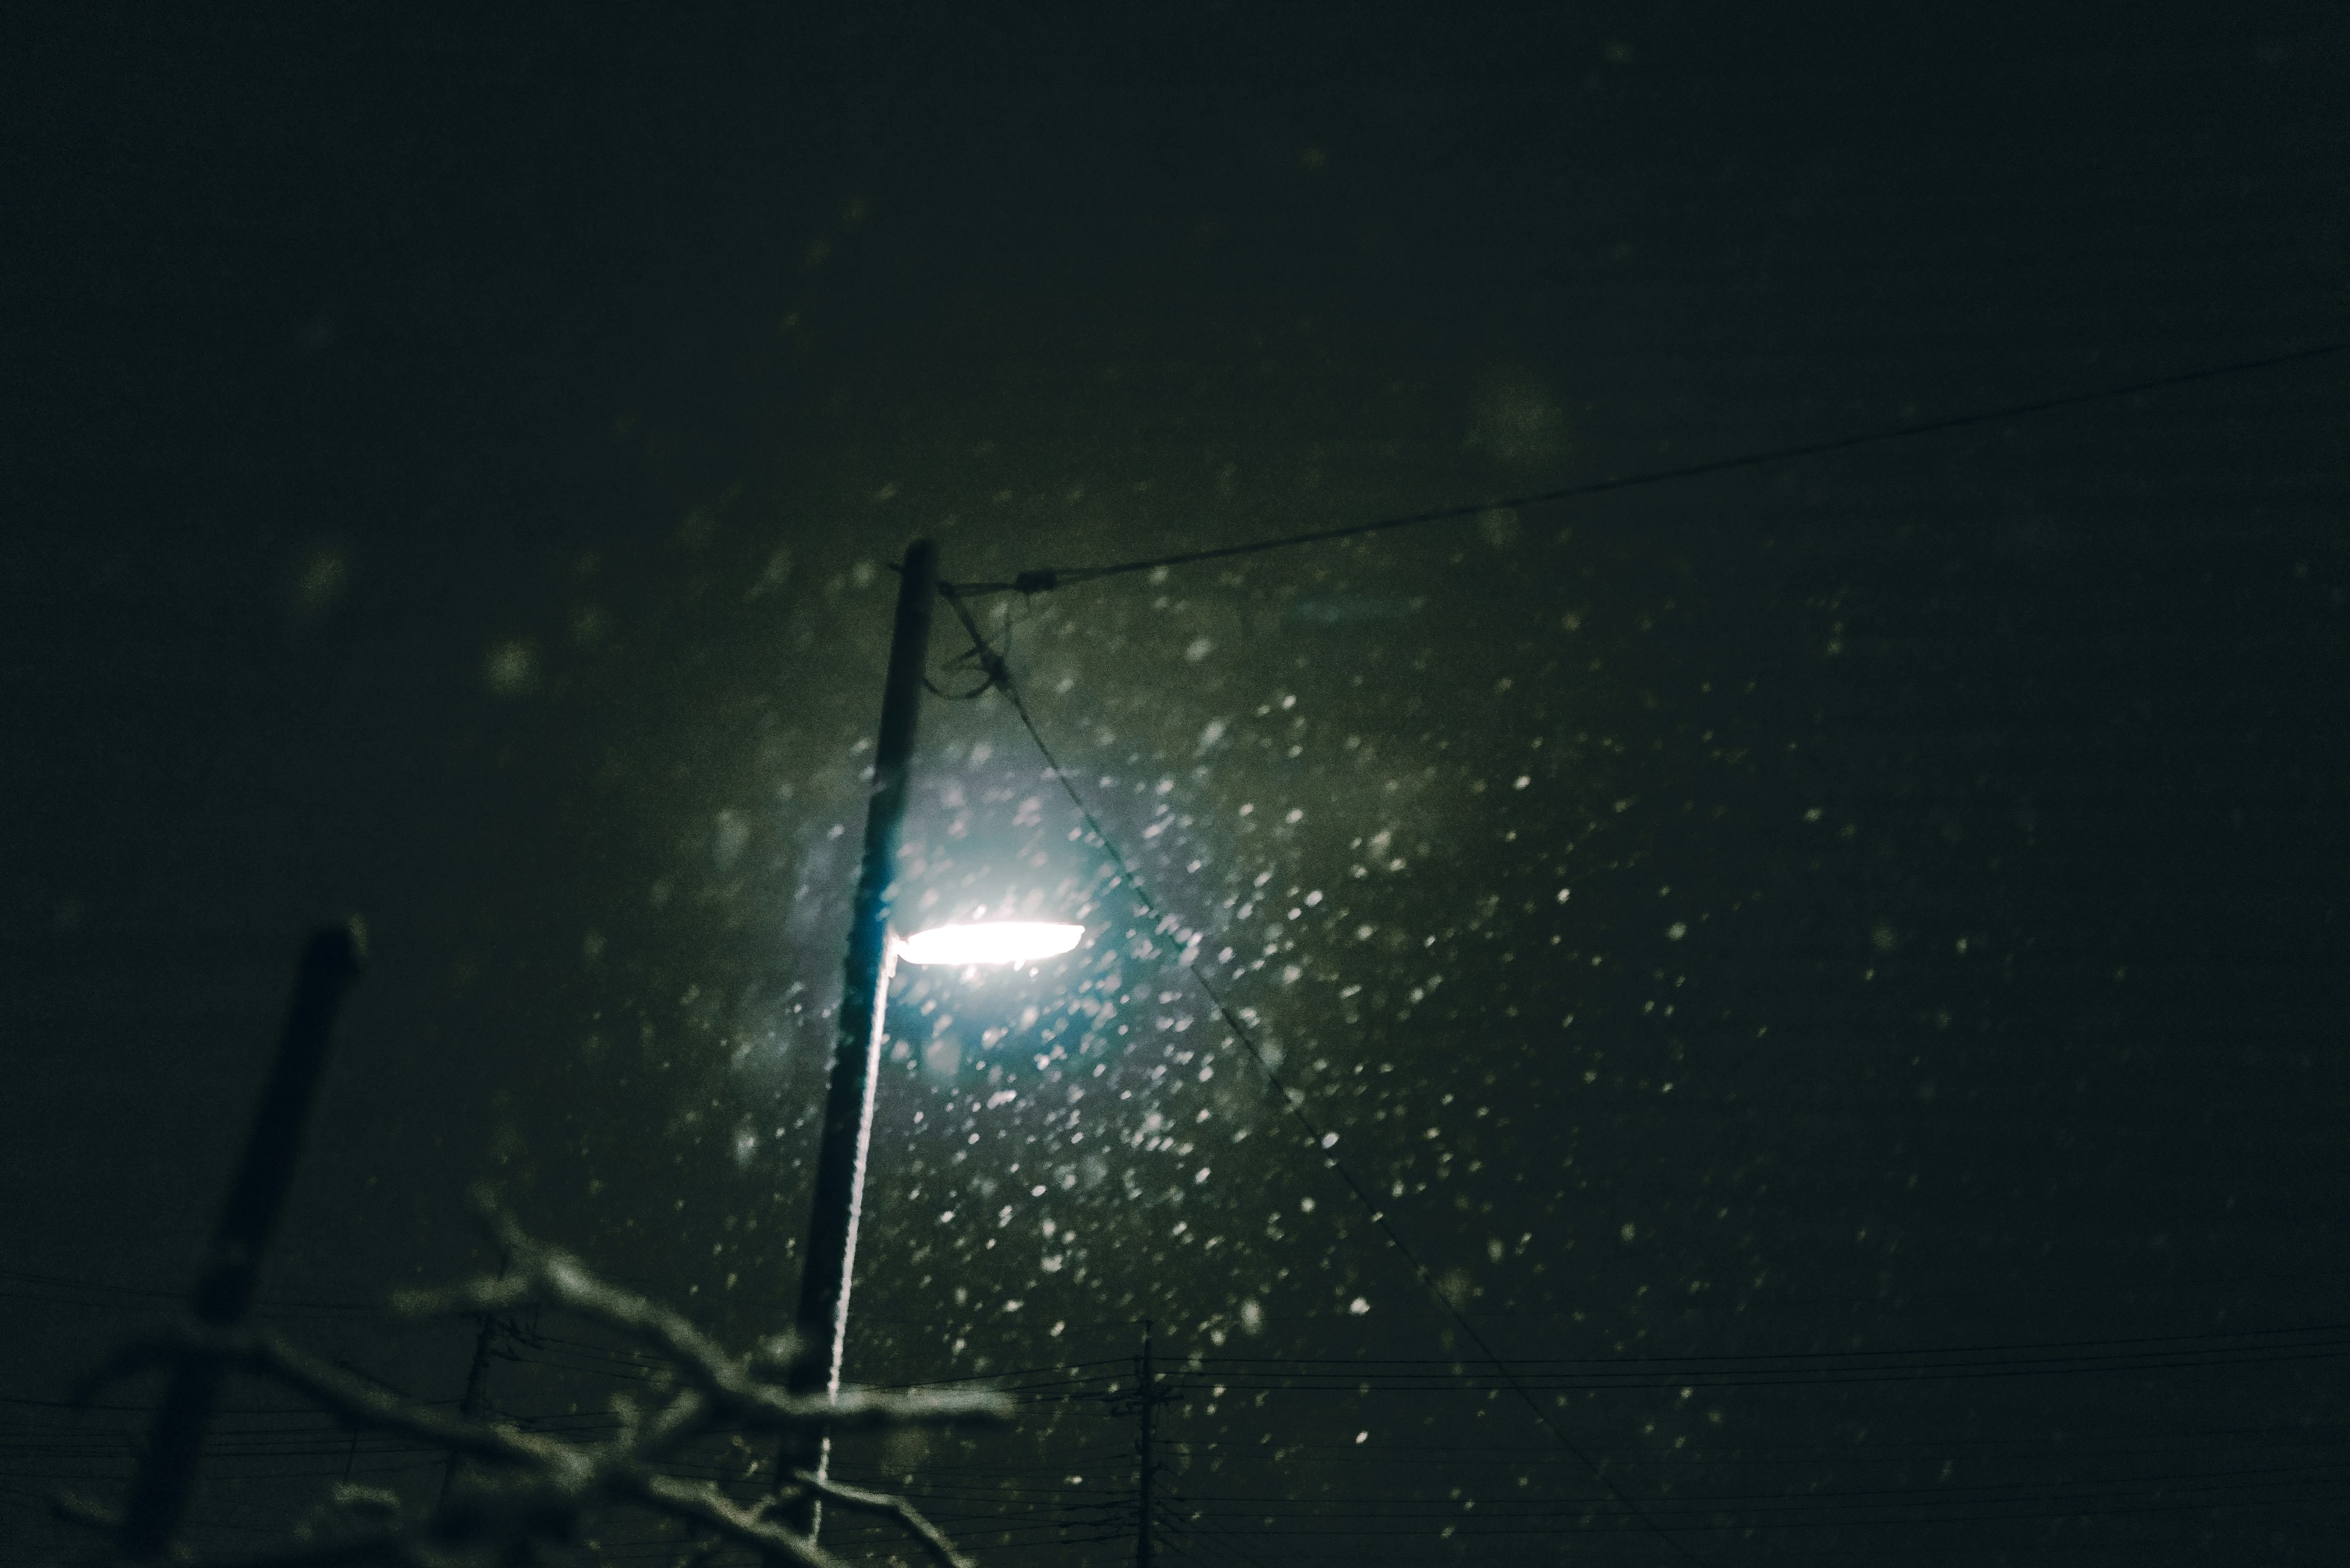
224, 1293
1150, 1454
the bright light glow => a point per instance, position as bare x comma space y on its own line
992, 941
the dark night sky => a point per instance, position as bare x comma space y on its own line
1836, 967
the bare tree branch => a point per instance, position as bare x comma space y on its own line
543, 1275
534, 1489
356, 1401
942, 1550
857, 1410
702, 1503
70, 1508
680, 1421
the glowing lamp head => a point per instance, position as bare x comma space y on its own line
991, 941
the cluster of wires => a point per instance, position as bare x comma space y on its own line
1245, 1502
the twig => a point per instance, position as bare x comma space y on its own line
71, 1508
262, 1352
545, 1275
389, 1547
702, 1503
942, 1550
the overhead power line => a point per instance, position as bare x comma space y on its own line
1045, 579
2145, 1343
1766, 1371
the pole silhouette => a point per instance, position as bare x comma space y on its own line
249, 1219
1149, 1455
829, 1262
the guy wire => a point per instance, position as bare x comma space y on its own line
1295, 1101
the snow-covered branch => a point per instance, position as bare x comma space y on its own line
940, 1549
517, 1488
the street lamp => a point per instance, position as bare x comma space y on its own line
996, 941
873, 954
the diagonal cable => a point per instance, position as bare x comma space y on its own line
1294, 1102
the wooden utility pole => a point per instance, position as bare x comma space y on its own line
828, 1265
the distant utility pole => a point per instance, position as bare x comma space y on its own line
496, 1332
1148, 1398
477, 1378
1149, 1455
